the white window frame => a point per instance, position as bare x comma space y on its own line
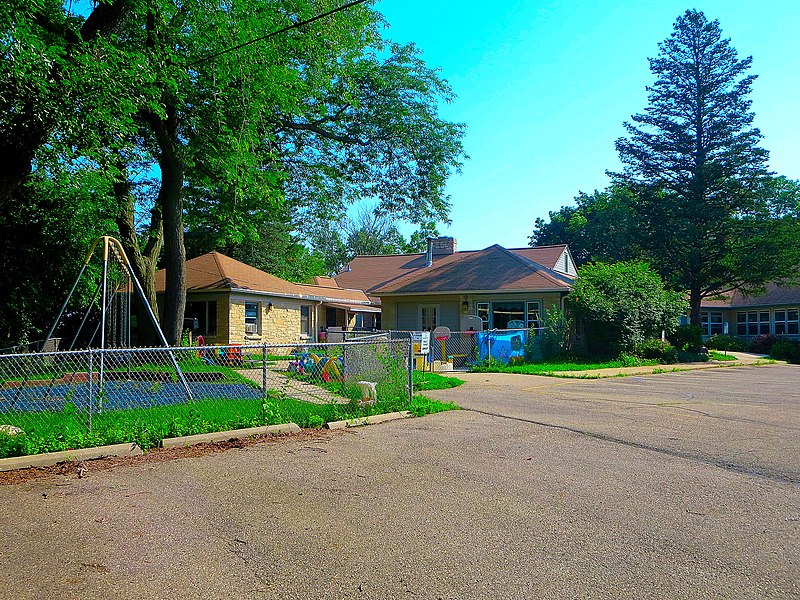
488, 308
538, 304
708, 323
306, 307
753, 323
252, 320
786, 322
437, 316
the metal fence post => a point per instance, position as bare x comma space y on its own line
89, 396
410, 370
264, 372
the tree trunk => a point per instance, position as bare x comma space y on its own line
143, 261
694, 306
170, 199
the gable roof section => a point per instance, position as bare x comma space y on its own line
547, 256
215, 271
493, 268
371, 272
325, 281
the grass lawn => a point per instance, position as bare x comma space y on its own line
716, 355
66, 430
434, 381
546, 368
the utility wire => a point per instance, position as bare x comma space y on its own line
279, 31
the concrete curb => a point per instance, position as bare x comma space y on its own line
368, 420
655, 370
49, 459
224, 436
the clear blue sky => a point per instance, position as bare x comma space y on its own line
544, 87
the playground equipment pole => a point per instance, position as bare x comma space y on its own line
150, 312
103, 320
72, 291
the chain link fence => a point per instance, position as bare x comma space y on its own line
203, 387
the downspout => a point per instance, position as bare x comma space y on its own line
316, 322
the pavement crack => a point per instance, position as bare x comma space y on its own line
728, 466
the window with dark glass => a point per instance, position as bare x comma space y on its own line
753, 322
711, 322
201, 317
787, 322
305, 319
429, 315
508, 315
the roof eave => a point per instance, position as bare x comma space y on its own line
301, 296
492, 291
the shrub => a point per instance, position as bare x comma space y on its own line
628, 360
623, 304
687, 337
689, 356
788, 350
721, 341
655, 348
762, 344
553, 340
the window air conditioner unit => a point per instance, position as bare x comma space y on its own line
251, 327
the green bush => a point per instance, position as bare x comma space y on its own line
655, 348
629, 360
690, 356
785, 349
721, 341
621, 305
553, 341
762, 344
687, 337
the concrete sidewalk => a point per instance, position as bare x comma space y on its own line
742, 359
294, 388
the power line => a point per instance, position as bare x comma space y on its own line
279, 31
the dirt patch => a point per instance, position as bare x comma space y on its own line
79, 469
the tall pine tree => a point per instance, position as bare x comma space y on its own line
694, 159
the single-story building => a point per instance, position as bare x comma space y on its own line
776, 311
505, 288
230, 302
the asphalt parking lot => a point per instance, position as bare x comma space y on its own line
680, 485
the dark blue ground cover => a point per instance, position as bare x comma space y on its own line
117, 395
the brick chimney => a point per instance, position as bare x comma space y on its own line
442, 245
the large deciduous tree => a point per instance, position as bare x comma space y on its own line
597, 228
182, 116
705, 218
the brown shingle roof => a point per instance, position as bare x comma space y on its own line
371, 272
329, 293
493, 268
547, 256
325, 281
215, 271
776, 295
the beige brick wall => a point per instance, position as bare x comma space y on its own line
236, 322
223, 336
279, 324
